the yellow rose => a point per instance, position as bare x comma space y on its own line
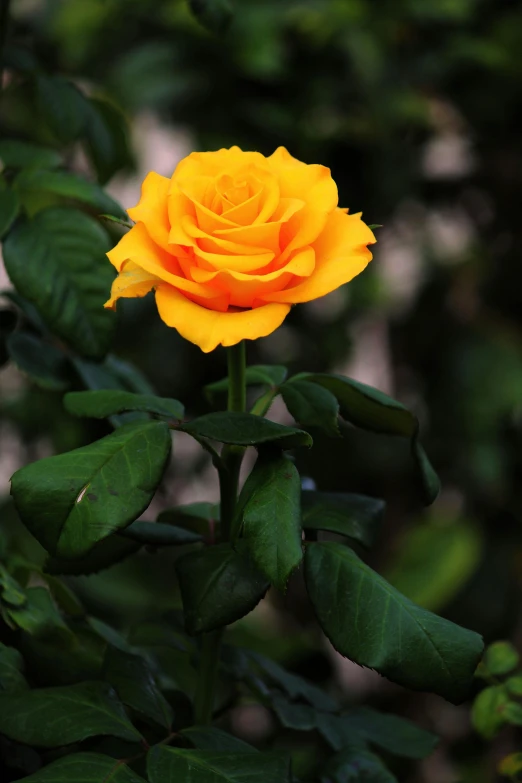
233, 240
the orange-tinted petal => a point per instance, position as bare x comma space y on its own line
152, 208
341, 254
208, 328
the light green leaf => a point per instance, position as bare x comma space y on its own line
57, 261
371, 623
172, 765
488, 713
52, 717
245, 429
271, 518
85, 768
71, 501
105, 403
356, 516
218, 586
501, 658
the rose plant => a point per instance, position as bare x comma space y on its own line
228, 245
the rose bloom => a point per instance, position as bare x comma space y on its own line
233, 239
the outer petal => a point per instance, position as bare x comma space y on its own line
137, 246
133, 281
152, 208
208, 328
313, 183
341, 254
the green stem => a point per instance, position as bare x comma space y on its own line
230, 464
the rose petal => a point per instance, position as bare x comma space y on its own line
152, 208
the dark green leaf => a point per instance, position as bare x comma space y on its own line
356, 764
9, 209
299, 717
312, 405
39, 617
210, 738
158, 534
136, 686
10, 591
46, 365
356, 516
62, 105
71, 501
104, 554
412, 647
245, 429
218, 586
296, 687
488, 713
52, 717
256, 375
513, 713
29, 311
370, 409
102, 404
501, 658
22, 155
62, 183
57, 261
200, 518
514, 685
172, 765
85, 768
107, 139
215, 15
394, 734
271, 518
11, 668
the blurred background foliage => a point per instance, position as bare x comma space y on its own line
416, 106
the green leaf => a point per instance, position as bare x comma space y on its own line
39, 617
218, 586
514, 685
172, 765
256, 375
62, 105
511, 765
215, 15
245, 429
9, 209
513, 713
134, 682
501, 658
200, 518
271, 518
52, 717
10, 591
158, 534
85, 768
57, 261
488, 713
370, 409
44, 364
394, 734
312, 405
356, 516
210, 738
296, 687
71, 501
102, 404
107, 139
11, 668
371, 623
22, 155
299, 717
354, 765
104, 554
62, 183
435, 560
